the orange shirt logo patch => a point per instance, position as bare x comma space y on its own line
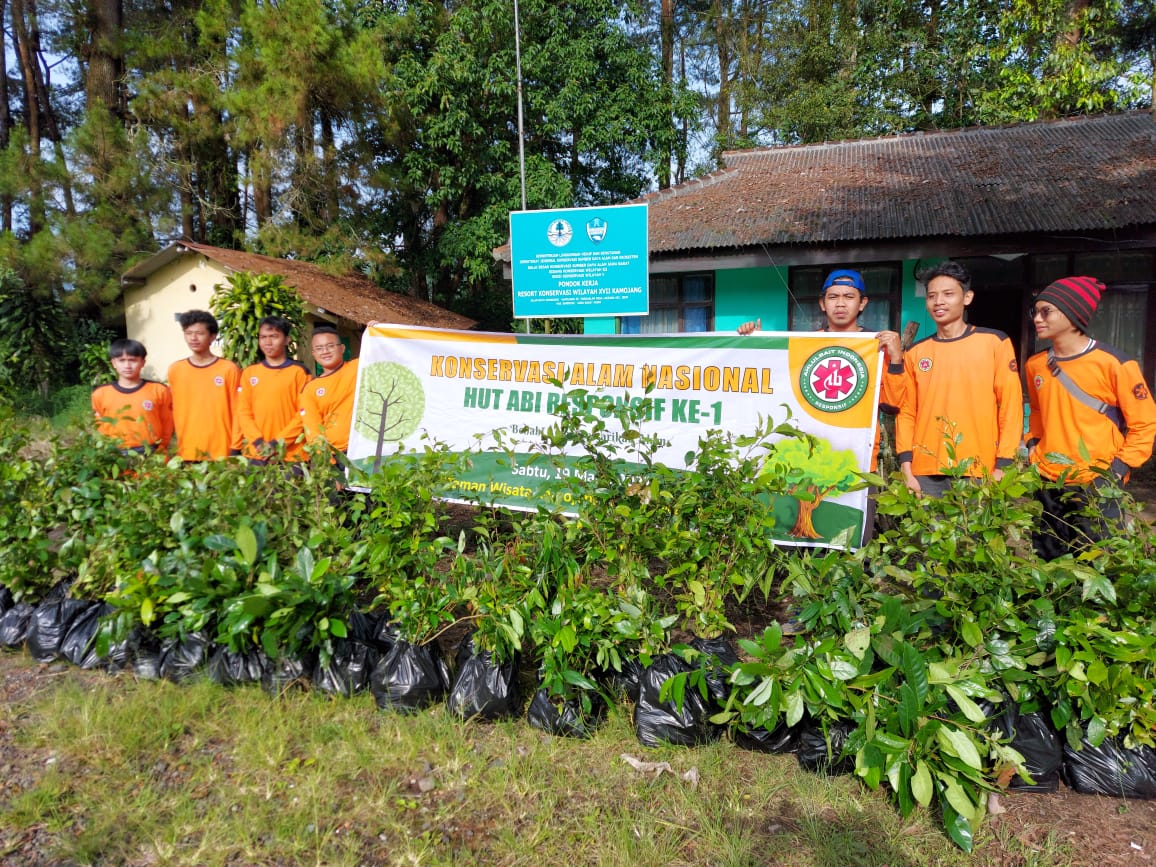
925, 364
1139, 391
1038, 382
218, 380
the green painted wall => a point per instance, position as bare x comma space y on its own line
742, 294
601, 325
913, 308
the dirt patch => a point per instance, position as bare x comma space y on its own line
1097, 830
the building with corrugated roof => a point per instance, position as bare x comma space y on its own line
1019, 205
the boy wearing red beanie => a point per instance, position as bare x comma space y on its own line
1091, 414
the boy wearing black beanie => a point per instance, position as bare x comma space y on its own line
1091, 414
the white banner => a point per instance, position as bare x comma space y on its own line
494, 395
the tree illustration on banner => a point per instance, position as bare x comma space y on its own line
815, 471
392, 404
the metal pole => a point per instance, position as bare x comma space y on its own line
521, 132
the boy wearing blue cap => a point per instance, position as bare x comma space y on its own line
843, 299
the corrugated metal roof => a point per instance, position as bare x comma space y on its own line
1090, 173
349, 296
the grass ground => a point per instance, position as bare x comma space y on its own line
100, 770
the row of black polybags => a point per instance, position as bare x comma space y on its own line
401, 676
1108, 769
408, 677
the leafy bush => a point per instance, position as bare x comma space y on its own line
243, 302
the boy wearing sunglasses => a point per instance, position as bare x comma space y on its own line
1092, 419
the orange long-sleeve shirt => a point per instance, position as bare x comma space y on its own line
968, 388
1059, 425
203, 400
327, 406
137, 418
267, 407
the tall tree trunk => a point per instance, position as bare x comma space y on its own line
723, 53
104, 76
329, 168
666, 49
37, 212
5, 121
261, 176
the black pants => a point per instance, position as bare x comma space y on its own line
1075, 516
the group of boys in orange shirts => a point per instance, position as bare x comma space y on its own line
960, 403
271, 409
957, 394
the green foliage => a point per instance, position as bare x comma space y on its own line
241, 305
914, 643
400, 529
33, 326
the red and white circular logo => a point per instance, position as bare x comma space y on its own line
1038, 382
252, 380
218, 380
321, 392
925, 364
833, 379
147, 404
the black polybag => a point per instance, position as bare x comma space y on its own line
565, 718
348, 669
781, 739
372, 628
483, 688
1111, 769
6, 600
49, 624
657, 721
410, 677
1036, 739
720, 657
145, 652
237, 667
79, 644
815, 755
628, 681
286, 671
14, 625
182, 659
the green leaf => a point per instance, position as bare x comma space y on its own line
909, 709
915, 671
890, 742
843, 669
1097, 731
971, 633
958, 798
921, 788
147, 612
958, 828
857, 641
246, 541
970, 709
795, 707
337, 627
761, 693
567, 638
960, 744
1099, 585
